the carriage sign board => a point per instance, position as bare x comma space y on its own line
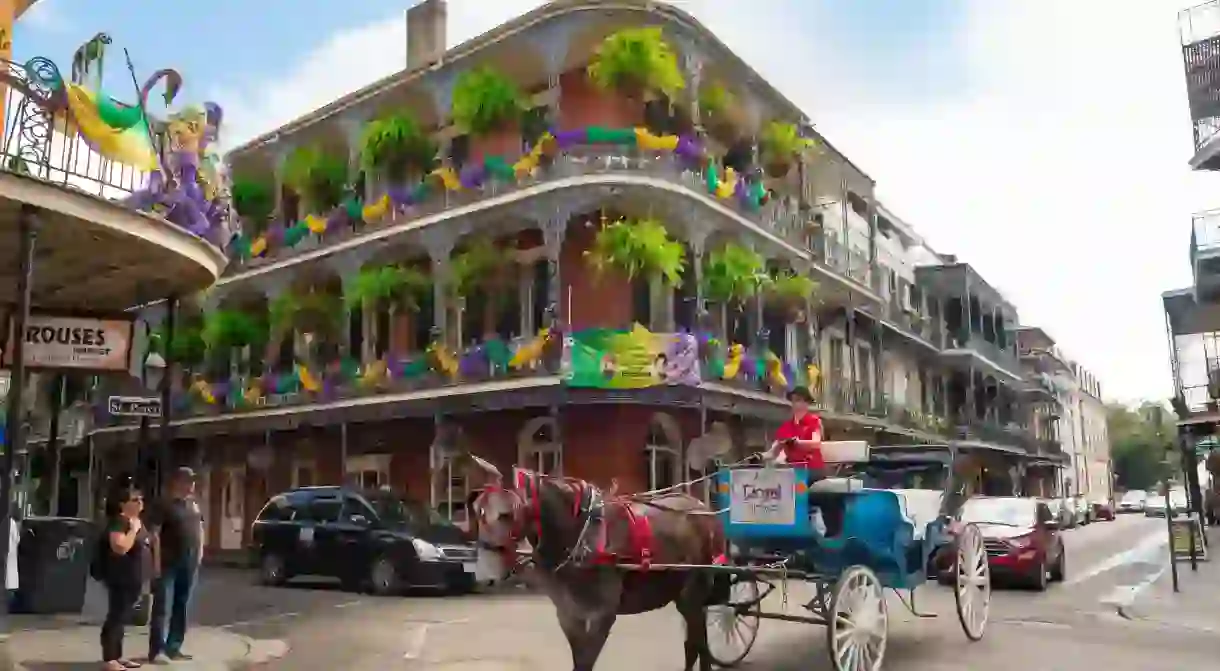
763, 496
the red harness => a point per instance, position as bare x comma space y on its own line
527, 513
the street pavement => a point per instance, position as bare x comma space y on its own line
1113, 566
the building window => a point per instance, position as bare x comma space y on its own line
663, 460
538, 450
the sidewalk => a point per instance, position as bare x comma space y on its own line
1196, 606
75, 647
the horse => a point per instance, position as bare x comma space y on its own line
580, 537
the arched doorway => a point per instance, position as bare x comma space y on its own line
663, 453
539, 448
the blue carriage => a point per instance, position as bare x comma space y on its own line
881, 522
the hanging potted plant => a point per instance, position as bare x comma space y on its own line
389, 287
488, 106
715, 103
637, 248
484, 268
317, 314
791, 292
731, 276
395, 149
781, 145
187, 349
254, 202
319, 178
639, 65
227, 330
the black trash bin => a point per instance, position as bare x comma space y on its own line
53, 559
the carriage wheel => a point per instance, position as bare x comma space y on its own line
972, 587
858, 626
730, 633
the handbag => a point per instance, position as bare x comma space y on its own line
141, 613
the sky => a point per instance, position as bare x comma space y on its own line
1045, 142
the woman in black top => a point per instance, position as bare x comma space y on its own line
127, 569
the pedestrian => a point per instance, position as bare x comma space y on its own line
12, 580
176, 523
127, 566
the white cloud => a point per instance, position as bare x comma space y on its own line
1060, 174
44, 15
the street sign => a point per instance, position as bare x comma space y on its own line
134, 406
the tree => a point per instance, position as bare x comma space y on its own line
1140, 440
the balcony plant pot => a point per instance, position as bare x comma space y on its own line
488, 106
638, 64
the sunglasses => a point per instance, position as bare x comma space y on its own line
136, 499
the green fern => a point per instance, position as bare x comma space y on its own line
231, 329
254, 202
637, 58
715, 101
791, 289
782, 142
187, 348
638, 248
733, 274
314, 312
481, 266
387, 285
396, 146
317, 176
484, 100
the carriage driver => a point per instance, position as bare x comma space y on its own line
800, 438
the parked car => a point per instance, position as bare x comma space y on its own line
1082, 509
1132, 502
374, 540
1154, 506
1103, 510
1179, 502
1020, 540
1061, 515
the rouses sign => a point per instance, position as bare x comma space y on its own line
84, 343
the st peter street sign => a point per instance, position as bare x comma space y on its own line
135, 406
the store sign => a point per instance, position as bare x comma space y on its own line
79, 343
762, 496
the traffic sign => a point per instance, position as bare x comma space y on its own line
135, 406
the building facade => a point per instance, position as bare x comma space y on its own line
572, 285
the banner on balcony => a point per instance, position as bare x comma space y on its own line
630, 359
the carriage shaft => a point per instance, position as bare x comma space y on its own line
803, 619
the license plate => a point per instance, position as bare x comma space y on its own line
468, 567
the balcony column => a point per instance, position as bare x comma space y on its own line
696, 237
850, 327
352, 123
439, 241
554, 229
878, 366
440, 83
274, 286
871, 271
347, 268
692, 64
282, 151
555, 41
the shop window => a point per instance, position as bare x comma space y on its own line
540, 452
662, 460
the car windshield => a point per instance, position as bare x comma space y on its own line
1005, 512
1156, 502
1133, 497
394, 510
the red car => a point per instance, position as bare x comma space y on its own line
1103, 511
1019, 537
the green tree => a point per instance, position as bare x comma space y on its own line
1140, 440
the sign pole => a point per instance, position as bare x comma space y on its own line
57, 404
15, 440
1173, 559
167, 377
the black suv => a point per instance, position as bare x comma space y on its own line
374, 540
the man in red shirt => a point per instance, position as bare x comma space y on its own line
800, 438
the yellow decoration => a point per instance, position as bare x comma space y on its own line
813, 373
647, 141
732, 363
776, 371
130, 146
445, 362
201, 387
254, 394
531, 351
375, 374
449, 178
728, 186
376, 211
308, 381
259, 246
529, 163
315, 224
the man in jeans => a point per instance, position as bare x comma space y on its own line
177, 526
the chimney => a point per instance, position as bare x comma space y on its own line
426, 24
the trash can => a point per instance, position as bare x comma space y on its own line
53, 564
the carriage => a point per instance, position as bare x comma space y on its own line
877, 525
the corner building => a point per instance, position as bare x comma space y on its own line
495, 333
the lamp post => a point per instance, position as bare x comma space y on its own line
154, 373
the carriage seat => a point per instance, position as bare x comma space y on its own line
876, 533
921, 507
837, 485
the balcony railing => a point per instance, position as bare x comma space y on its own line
776, 216
1205, 232
1005, 358
913, 321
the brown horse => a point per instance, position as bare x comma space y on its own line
580, 539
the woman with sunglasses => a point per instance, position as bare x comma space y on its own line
127, 569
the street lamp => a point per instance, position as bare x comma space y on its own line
154, 371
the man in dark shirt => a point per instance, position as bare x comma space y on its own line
177, 526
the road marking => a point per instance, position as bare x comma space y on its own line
1144, 550
416, 647
259, 620
348, 604
1124, 595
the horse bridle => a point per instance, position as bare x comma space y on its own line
521, 518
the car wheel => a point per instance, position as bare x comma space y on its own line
272, 570
383, 577
1059, 570
1039, 580
463, 584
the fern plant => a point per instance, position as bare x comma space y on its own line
232, 329
254, 202
637, 61
791, 291
733, 274
395, 146
714, 102
187, 347
638, 248
485, 100
316, 312
781, 144
318, 177
385, 286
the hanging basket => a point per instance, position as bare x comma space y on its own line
777, 168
